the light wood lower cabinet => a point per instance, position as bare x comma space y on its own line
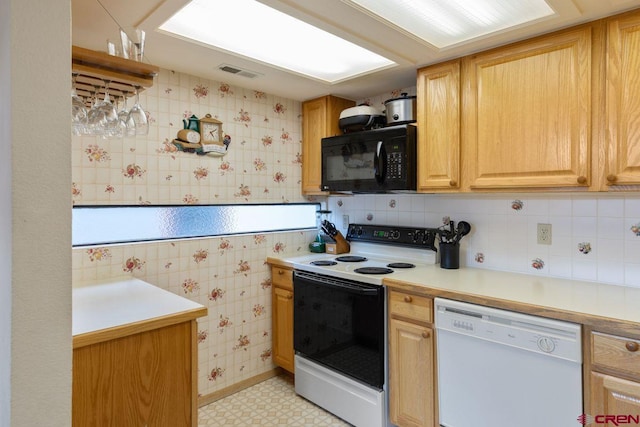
282, 317
412, 382
614, 394
144, 379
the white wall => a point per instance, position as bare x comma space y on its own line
5, 218
36, 129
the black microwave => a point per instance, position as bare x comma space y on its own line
370, 161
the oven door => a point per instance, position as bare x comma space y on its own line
339, 324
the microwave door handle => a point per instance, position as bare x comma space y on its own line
380, 161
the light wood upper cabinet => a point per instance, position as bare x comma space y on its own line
623, 101
320, 119
527, 113
438, 108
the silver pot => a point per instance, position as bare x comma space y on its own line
400, 110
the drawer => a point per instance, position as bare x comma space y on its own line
410, 306
282, 277
619, 353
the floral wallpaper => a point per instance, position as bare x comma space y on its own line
228, 275
262, 163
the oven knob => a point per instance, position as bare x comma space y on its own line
395, 234
546, 344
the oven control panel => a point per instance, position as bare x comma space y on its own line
407, 236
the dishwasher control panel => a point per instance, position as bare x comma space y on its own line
532, 333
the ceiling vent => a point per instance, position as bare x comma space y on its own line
238, 71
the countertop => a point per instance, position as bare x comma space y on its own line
120, 307
602, 306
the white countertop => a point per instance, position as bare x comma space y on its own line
585, 298
114, 303
590, 299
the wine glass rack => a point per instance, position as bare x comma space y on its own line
93, 68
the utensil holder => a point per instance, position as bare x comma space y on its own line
450, 255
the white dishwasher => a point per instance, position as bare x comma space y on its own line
499, 368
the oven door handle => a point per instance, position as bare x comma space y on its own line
354, 289
299, 278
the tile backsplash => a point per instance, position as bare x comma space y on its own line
595, 237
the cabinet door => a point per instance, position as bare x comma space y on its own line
623, 101
438, 107
320, 119
283, 328
411, 378
527, 120
614, 397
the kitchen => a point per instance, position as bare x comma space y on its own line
503, 237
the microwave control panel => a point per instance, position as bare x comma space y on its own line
395, 162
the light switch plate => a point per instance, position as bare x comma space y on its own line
345, 221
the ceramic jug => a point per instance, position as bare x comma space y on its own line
193, 123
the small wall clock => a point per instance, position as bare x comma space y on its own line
210, 130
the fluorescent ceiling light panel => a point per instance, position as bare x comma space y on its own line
444, 23
256, 31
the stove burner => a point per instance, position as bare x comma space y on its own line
373, 270
351, 258
400, 265
323, 262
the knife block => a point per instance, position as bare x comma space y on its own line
340, 246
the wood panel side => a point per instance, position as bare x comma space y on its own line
141, 379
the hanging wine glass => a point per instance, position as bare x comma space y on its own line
137, 123
95, 120
78, 110
123, 116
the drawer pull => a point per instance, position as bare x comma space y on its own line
408, 299
612, 178
453, 183
631, 346
289, 296
426, 334
281, 272
582, 180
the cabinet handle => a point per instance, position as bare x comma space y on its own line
408, 299
582, 180
289, 296
281, 272
631, 346
612, 178
426, 334
453, 183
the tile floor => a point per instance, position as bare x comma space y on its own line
270, 403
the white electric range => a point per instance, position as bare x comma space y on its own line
340, 328
382, 251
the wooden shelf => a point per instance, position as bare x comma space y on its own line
94, 67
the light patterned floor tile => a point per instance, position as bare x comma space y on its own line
271, 403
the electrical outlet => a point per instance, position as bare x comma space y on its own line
544, 234
345, 222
